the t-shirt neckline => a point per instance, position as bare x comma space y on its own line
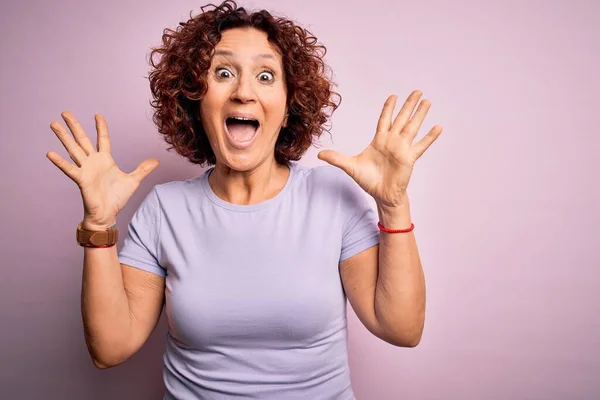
250, 207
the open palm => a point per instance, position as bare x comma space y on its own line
105, 189
384, 168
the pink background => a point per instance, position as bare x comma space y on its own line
506, 203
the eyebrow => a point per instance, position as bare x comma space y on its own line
231, 54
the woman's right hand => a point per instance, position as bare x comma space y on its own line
105, 189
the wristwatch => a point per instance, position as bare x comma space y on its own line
106, 238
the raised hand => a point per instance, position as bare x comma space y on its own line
105, 189
384, 168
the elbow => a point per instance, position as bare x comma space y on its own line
107, 356
403, 336
412, 341
402, 331
413, 337
406, 340
104, 361
105, 364
101, 365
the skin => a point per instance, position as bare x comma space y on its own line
385, 284
246, 75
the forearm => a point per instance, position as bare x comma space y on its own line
105, 306
400, 290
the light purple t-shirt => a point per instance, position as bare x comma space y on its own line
254, 299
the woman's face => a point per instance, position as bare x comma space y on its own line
245, 105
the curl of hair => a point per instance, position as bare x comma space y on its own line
178, 80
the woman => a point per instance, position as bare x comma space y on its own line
253, 259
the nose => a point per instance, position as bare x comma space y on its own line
243, 90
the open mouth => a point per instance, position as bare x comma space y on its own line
241, 129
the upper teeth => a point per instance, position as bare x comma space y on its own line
243, 118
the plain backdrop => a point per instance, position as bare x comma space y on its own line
506, 203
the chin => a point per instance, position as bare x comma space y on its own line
242, 162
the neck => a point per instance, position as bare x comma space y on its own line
248, 187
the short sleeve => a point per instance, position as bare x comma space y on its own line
360, 229
140, 247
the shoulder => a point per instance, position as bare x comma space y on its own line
172, 196
331, 185
324, 177
179, 189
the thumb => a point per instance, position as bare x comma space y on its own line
144, 169
342, 161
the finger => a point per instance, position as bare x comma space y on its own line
75, 151
385, 119
103, 138
144, 169
406, 111
69, 169
412, 128
343, 162
422, 145
78, 133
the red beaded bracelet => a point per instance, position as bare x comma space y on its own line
381, 227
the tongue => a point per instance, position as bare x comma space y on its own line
241, 132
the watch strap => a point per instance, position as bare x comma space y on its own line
105, 238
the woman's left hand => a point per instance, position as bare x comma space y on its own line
384, 168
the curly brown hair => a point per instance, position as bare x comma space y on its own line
178, 80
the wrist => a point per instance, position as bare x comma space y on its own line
395, 217
90, 225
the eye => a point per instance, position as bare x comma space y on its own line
266, 76
223, 73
